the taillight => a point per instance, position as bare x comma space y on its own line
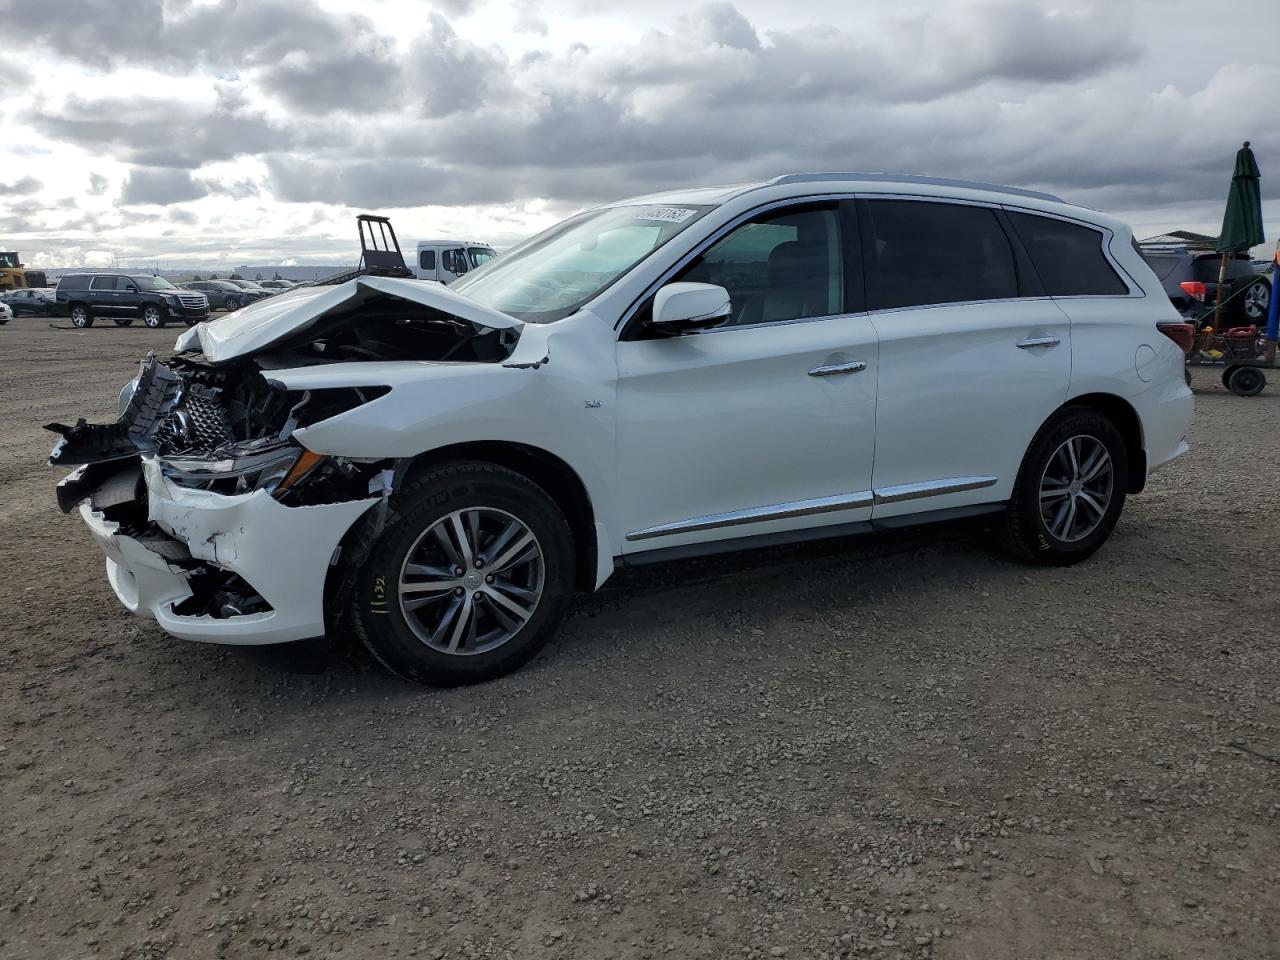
1183, 334
1194, 289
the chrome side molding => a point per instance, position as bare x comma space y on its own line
777, 511
932, 488
804, 508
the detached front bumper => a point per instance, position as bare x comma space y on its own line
283, 553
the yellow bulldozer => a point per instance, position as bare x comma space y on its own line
13, 276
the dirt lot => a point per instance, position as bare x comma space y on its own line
905, 747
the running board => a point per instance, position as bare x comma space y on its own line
689, 551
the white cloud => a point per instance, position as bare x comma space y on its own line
271, 122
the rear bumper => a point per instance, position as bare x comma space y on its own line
282, 552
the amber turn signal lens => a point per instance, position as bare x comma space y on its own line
301, 467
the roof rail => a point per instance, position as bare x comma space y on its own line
910, 178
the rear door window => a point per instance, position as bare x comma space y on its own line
426, 260
1068, 257
923, 253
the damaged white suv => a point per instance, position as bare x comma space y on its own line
674, 375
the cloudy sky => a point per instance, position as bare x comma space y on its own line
250, 131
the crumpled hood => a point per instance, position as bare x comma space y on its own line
265, 322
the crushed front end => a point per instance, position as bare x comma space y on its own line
215, 520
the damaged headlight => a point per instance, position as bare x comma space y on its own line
274, 469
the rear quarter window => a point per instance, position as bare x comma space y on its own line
1068, 257
74, 282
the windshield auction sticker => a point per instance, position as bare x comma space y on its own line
665, 214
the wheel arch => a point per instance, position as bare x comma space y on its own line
1120, 412
561, 482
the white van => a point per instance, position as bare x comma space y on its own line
446, 260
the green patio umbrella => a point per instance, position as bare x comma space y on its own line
1242, 223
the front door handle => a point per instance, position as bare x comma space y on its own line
1038, 342
837, 369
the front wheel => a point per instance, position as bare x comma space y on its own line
153, 316
468, 580
80, 316
1070, 489
231, 303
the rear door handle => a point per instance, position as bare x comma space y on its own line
837, 369
1038, 342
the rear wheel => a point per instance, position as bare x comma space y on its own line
1070, 489
468, 580
1255, 301
153, 316
80, 316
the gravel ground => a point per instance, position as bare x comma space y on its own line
888, 747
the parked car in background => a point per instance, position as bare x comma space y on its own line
6, 313
123, 298
277, 286
1188, 272
251, 286
668, 376
446, 260
225, 294
33, 301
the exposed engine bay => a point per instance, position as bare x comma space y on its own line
226, 427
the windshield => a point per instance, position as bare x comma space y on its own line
153, 283
551, 275
480, 255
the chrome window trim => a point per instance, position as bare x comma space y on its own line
776, 511
959, 303
730, 328
804, 508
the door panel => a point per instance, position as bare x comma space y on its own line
102, 295
731, 420
960, 400
973, 358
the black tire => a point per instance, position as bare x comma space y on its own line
1186, 375
154, 316
80, 316
231, 303
191, 321
1025, 532
1226, 376
1246, 381
376, 613
122, 321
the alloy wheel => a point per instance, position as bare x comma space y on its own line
1076, 488
1256, 300
471, 581
151, 316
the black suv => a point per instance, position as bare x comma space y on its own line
123, 298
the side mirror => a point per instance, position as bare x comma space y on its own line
690, 306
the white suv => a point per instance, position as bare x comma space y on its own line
673, 375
